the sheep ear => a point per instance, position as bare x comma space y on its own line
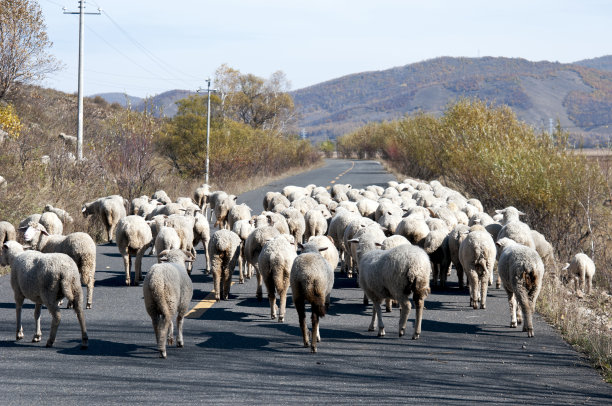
521, 213
44, 232
499, 211
354, 240
164, 259
83, 209
300, 245
235, 198
323, 249
563, 269
378, 244
23, 228
163, 253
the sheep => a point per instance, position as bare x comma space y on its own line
296, 223
455, 238
201, 232
367, 207
339, 191
213, 199
44, 279
252, 249
336, 229
224, 250
166, 210
304, 204
477, 255
184, 226
517, 231
278, 221
273, 199
161, 196
201, 194
275, 261
312, 280
316, 243
167, 290
243, 228
544, 249
133, 237
238, 212
394, 274
78, 246
167, 239
221, 209
436, 246
3, 182
110, 209
7, 232
581, 269
393, 241
414, 228
191, 208
315, 223
521, 271
63, 215
69, 140
52, 223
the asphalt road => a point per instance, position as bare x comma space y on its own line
234, 353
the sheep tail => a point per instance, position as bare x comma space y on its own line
318, 305
67, 288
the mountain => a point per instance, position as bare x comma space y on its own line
602, 63
577, 95
163, 104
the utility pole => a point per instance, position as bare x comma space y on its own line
81, 14
207, 128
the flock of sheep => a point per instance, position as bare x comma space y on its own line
398, 240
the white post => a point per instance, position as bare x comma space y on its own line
208, 132
80, 91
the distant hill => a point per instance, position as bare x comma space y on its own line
579, 96
163, 104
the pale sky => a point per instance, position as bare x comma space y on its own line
144, 48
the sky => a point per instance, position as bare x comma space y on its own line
146, 47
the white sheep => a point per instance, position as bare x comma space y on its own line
521, 271
167, 291
236, 213
133, 237
394, 274
44, 279
201, 194
166, 239
184, 226
78, 246
52, 223
544, 249
581, 269
243, 228
275, 262
221, 209
201, 232
161, 196
325, 245
455, 238
224, 250
7, 232
477, 255
3, 182
63, 215
109, 209
311, 280
315, 223
69, 140
296, 223
252, 249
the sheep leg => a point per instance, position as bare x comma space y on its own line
512, 304
388, 305
55, 321
498, 280
258, 293
127, 264
404, 312
300, 307
171, 332
18, 305
138, 264
473, 283
227, 283
588, 284
419, 305
525, 305
163, 326
78, 309
377, 309
217, 283
38, 333
272, 298
484, 286
315, 333
241, 269
459, 270
179, 329
283, 305
90, 287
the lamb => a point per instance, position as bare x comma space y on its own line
44, 279
110, 209
167, 291
238, 212
243, 228
581, 269
63, 215
167, 239
315, 223
275, 262
316, 243
201, 232
52, 223
521, 271
184, 226
394, 274
221, 209
296, 223
133, 237
161, 196
201, 194
477, 255
78, 246
224, 250
312, 280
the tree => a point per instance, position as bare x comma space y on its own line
23, 44
260, 103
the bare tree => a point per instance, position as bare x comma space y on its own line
23, 44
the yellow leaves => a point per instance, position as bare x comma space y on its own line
9, 121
